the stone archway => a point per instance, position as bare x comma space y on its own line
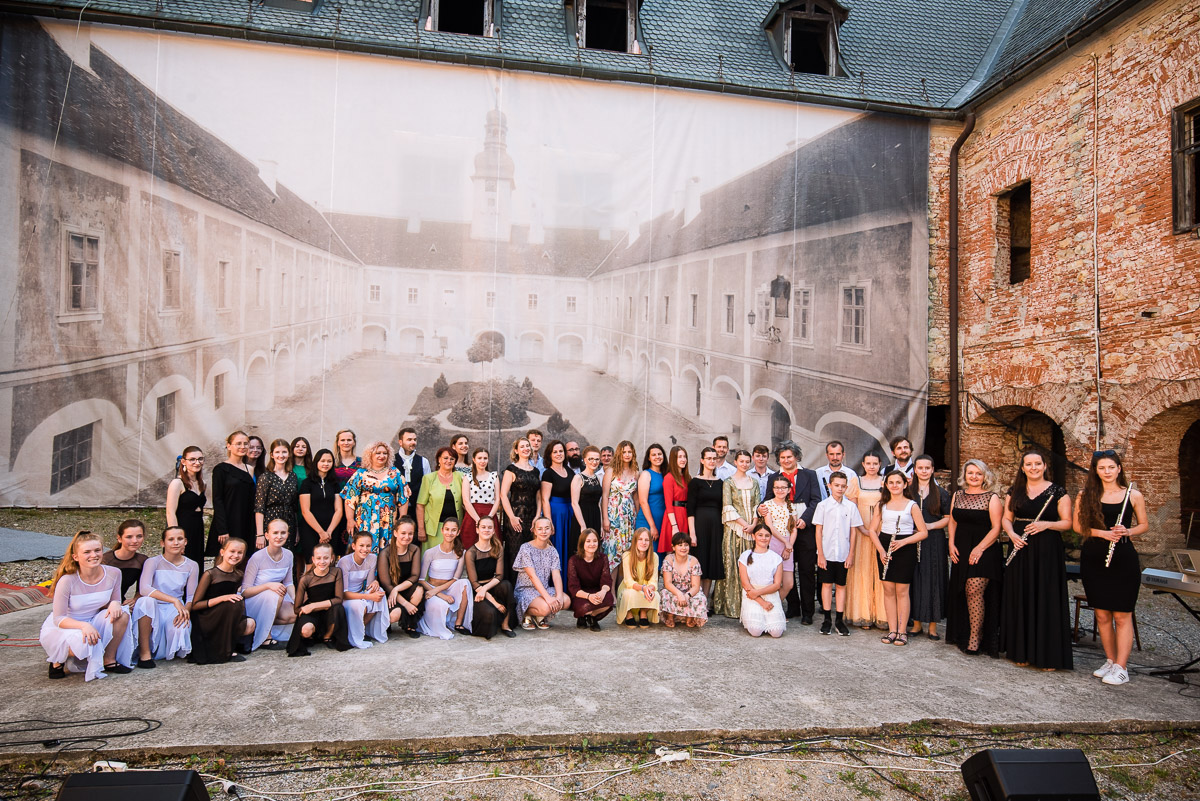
1155, 460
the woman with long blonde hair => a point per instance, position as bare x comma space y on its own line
87, 630
637, 596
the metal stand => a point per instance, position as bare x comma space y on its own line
1176, 674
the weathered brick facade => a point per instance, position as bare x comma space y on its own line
1091, 127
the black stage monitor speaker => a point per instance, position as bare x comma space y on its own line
1045, 775
134, 785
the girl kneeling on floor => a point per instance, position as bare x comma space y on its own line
162, 615
365, 602
320, 605
88, 631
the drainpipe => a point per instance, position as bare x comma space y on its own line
955, 391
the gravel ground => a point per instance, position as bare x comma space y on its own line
920, 761
64, 523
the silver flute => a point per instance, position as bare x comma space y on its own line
891, 549
1025, 540
1112, 546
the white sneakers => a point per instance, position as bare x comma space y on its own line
1118, 675
1111, 673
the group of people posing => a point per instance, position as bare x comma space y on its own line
336, 548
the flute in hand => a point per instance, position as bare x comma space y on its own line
888, 561
1025, 540
1112, 546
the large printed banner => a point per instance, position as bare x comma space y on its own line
200, 235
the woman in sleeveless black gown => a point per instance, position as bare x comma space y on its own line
1034, 618
1108, 513
973, 612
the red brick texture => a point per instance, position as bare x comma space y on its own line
1093, 125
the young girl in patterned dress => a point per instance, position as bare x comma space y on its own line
682, 599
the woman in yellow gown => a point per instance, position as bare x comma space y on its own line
864, 590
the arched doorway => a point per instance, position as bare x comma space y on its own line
412, 342
532, 346
570, 349
374, 338
1016, 429
260, 393
781, 424
1189, 484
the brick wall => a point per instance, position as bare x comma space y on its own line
1077, 129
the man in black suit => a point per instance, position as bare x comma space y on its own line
806, 490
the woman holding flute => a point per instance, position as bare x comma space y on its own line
1110, 511
1034, 617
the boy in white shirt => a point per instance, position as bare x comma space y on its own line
835, 519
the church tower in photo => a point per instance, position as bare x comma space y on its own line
491, 217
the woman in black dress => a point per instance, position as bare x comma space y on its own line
1109, 512
587, 490
320, 510
973, 615
521, 496
276, 494
320, 615
126, 557
493, 600
399, 575
185, 502
218, 612
928, 590
1035, 625
705, 502
556, 500
233, 490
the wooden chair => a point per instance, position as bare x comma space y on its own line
1081, 602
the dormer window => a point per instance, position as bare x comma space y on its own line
472, 17
605, 24
804, 34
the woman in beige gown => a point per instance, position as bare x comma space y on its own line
740, 502
864, 590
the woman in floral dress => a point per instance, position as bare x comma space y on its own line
620, 500
375, 497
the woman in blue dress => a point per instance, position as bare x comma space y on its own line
651, 504
375, 497
556, 496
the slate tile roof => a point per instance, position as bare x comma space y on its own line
915, 55
111, 111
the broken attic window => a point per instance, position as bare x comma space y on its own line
804, 34
471, 17
607, 25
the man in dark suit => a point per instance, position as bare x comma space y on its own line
806, 490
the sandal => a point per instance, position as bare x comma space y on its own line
901, 639
889, 638
541, 623
461, 629
527, 623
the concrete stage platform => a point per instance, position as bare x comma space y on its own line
566, 682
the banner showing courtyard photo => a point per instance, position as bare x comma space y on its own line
202, 235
